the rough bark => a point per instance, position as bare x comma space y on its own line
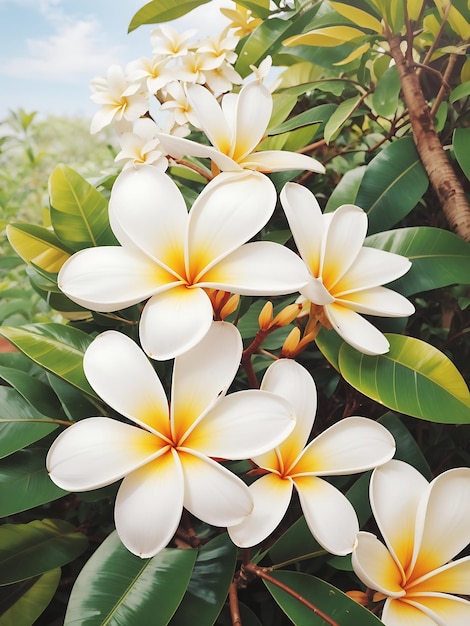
441, 174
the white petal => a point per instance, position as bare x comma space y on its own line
356, 330
442, 528
377, 301
203, 374
271, 497
150, 209
306, 223
174, 321
103, 117
254, 108
395, 491
212, 493
291, 381
98, 451
149, 504
432, 610
344, 238
231, 209
372, 268
242, 425
210, 117
280, 161
258, 268
354, 444
109, 278
178, 147
121, 374
315, 292
329, 514
454, 577
375, 566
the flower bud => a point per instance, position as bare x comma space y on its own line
266, 316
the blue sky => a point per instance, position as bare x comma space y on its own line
51, 49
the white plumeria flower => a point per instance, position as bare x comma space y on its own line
171, 257
222, 78
178, 104
166, 454
424, 526
241, 19
167, 41
194, 65
235, 128
221, 47
119, 99
346, 277
354, 444
154, 72
142, 146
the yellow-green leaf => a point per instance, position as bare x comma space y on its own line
413, 378
355, 54
454, 18
29, 599
414, 8
327, 37
358, 16
38, 246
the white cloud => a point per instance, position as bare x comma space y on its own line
76, 49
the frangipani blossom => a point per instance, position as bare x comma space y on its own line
355, 444
170, 257
424, 526
120, 99
235, 128
346, 277
167, 41
141, 146
166, 454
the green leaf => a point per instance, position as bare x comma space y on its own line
385, 98
413, 378
209, 584
57, 348
330, 600
342, 113
31, 598
296, 543
393, 183
79, 212
25, 483
159, 11
407, 448
35, 391
116, 587
248, 618
329, 344
346, 190
28, 550
38, 245
460, 143
439, 258
259, 8
311, 116
20, 423
461, 91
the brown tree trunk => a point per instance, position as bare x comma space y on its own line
438, 167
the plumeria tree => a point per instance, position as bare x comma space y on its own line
251, 405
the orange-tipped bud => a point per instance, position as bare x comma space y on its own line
358, 596
291, 343
287, 315
230, 306
265, 318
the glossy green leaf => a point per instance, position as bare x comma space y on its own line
311, 116
413, 378
329, 344
57, 348
259, 8
209, 584
79, 212
248, 618
20, 423
439, 258
407, 447
38, 245
159, 11
460, 143
296, 543
30, 598
385, 98
393, 183
346, 190
342, 113
116, 587
28, 550
25, 483
328, 599
75, 404
35, 391
461, 91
